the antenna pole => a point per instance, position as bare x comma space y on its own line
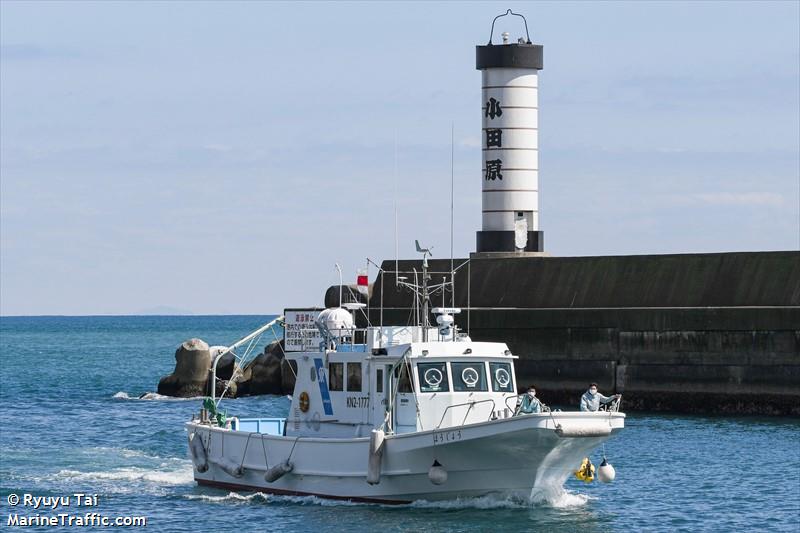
339, 268
396, 242
469, 294
452, 189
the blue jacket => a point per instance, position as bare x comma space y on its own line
530, 404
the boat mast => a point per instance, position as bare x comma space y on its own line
426, 300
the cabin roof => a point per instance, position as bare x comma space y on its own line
419, 350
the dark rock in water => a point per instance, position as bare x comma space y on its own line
288, 376
269, 373
276, 348
232, 386
225, 366
192, 364
264, 374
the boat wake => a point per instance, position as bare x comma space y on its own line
231, 497
565, 499
121, 395
559, 498
121, 470
275, 499
158, 477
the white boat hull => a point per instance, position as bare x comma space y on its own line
512, 457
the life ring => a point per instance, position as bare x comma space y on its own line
305, 402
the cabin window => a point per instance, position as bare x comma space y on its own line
404, 381
501, 377
469, 377
433, 377
379, 380
354, 377
335, 376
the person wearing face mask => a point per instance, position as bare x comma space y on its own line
591, 399
530, 403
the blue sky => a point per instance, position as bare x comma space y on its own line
220, 158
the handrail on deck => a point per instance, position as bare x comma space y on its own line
470, 404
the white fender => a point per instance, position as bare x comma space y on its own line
278, 471
376, 440
437, 474
199, 457
583, 429
606, 472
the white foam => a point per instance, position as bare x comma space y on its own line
313, 500
561, 500
124, 452
231, 497
276, 499
555, 497
481, 502
121, 395
168, 476
558, 497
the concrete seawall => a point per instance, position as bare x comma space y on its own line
689, 333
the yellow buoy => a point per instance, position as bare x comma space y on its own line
586, 471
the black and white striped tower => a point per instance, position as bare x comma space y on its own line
510, 133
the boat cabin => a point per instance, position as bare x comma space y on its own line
404, 379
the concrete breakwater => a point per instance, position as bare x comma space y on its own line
693, 333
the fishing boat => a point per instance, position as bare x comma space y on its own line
394, 414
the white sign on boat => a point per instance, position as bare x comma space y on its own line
301, 331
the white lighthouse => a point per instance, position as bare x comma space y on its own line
510, 133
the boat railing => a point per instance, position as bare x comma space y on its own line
613, 406
516, 400
469, 409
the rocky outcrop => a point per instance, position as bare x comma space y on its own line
226, 365
288, 376
192, 361
264, 375
269, 372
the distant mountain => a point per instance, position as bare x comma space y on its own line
163, 310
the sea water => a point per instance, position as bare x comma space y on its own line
72, 422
